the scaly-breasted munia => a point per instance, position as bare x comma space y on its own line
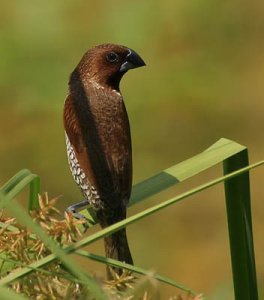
98, 139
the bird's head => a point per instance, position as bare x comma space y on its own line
106, 64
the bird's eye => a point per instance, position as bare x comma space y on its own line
112, 57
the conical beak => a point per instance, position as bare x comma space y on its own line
133, 60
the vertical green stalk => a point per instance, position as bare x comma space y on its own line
34, 189
237, 192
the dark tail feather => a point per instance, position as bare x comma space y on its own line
116, 247
116, 244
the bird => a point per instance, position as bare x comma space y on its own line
98, 140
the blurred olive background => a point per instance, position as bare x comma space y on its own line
203, 81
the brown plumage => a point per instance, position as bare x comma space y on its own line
98, 138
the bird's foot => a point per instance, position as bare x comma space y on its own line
73, 210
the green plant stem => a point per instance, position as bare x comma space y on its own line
135, 269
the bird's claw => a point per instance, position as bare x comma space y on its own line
72, 209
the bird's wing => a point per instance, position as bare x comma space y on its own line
75, 139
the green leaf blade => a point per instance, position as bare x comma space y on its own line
237, 191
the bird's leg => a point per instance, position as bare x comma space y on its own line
73, 209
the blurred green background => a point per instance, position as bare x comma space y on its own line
203, 81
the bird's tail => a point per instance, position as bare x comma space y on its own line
116, 244
116, 247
